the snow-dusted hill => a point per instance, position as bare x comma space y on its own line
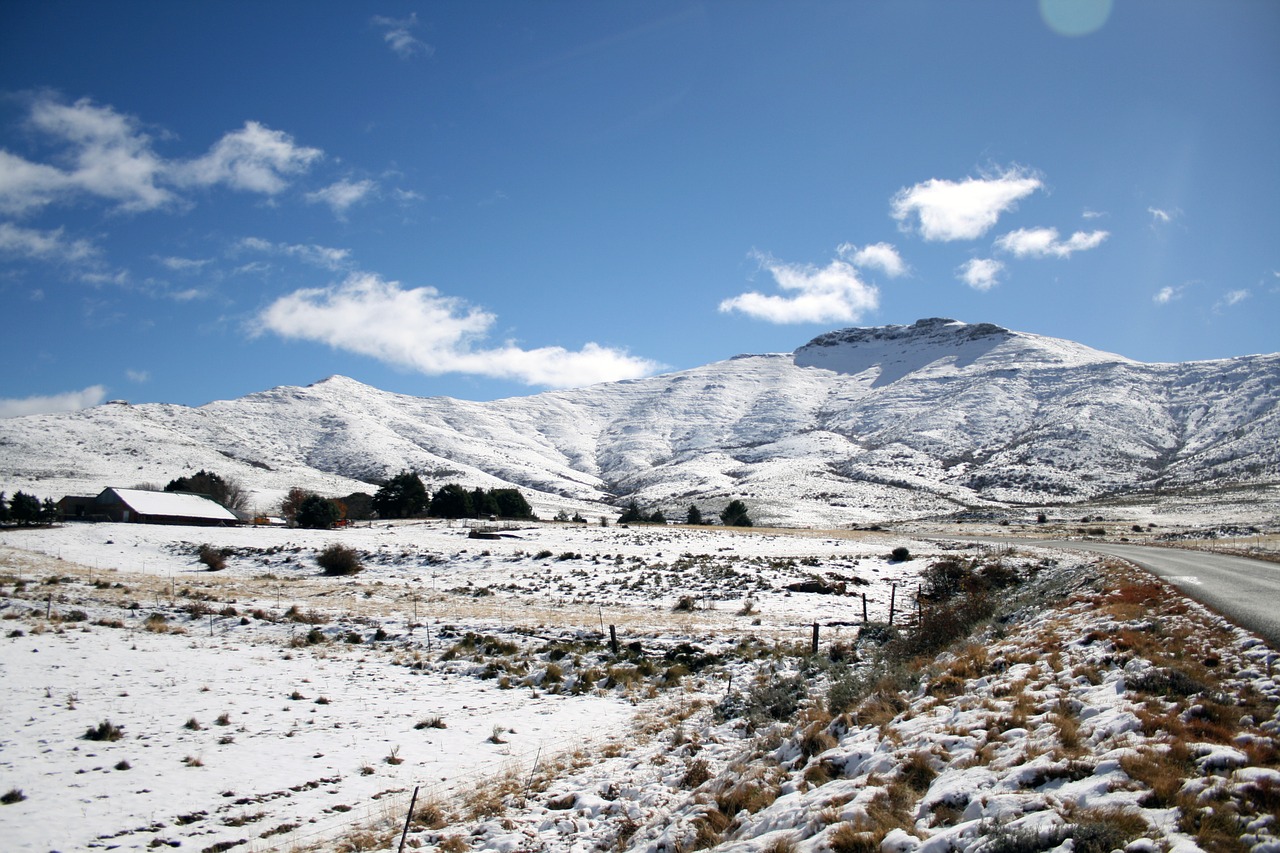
857, 425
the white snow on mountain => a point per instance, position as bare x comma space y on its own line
858, 425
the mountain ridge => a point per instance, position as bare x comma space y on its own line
856, 425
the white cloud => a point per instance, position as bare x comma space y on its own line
1044, 242
1162, 217
1092, 214
881, 256
44, 245
107, 155
138, 376
833, 293
980, 273
1167, 294
326, 257
68, 402
421, 329
1234, 297
254, 158
965, 210
183, 264
342, 195
397, 35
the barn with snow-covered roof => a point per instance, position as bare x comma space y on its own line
145, 507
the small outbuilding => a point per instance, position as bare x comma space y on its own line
144, 507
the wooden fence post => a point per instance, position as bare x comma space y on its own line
408, 818
815, 638
613, 640
893, 597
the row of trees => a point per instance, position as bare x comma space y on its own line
227, 491
733, 515
27, 509
403, 496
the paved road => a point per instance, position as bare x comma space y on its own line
1245, 591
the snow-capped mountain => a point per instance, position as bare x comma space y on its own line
859, 424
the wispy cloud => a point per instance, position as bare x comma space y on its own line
254, 159
43, 405
980, 273
1168, 294
962, 210
1044, 242
325, 257
877, 256
1231, 298
833, 293
341, 195
424, 330
177, 264
44, 245
138, 376
397, 33
105, 154
1092, 214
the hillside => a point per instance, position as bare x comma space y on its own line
857, 425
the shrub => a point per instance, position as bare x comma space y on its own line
105, 730
13, 795
900, 554
338, 559
212, 557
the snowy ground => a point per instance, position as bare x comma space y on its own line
265, 706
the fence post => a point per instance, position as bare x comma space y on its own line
893, 597
815, 638
408, 818
613, 640
864, 608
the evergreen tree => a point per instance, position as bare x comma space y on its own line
48, 511
631, 514
656, 517
483, 504
403, 496
694, 516
225, 490
24, 508
735, 515
4, 508
359, 506
317, 513
451, 501
511, 503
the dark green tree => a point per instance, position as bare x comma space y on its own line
511, 503
451, 501
317, 513
735, 515
656, 517
483, 503
631, 514
4, 508
359, 506
225, 490
48, 511
694, 515
24, 508
403, 496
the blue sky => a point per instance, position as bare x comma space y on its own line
486, 199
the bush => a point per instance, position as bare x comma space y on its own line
900, 554
14, 795
104, 731
338, 559
212, 557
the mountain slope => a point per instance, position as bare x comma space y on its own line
857, 425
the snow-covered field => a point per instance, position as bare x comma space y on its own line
268, 707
